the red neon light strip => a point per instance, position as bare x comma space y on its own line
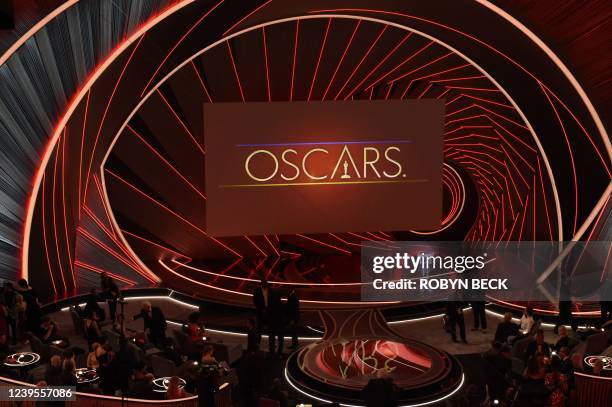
180, 121
382, 61
247, 16
295, 46
44, 225
155, 244
201, 80
59, 258
176, 46
106, 109
346, 49
81, 152
265, 46
173, 213
363, 58
161, 157
314, 77
100, 271
323, 243
231, 55
68, 249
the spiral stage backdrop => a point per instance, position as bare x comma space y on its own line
102, 149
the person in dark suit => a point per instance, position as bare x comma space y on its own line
380, 392
293, 317
253, 336
454, 311
480, 316
538, 345
506, 328
154, 324
111, 293
92, 305
261, 297
276, 324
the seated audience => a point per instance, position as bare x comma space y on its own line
108, 372
92, 306
557, 384
533, 391
49, 330
380, 392
527, 321
538, 345
564, 339
253, 336
92, 357
277, 393
175, 390
92, 329
67, 377
32, 312
68, 356
506, 329
208, 357
142, 383
53, 374
194, 330
154, 323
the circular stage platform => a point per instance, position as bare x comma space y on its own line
356, 348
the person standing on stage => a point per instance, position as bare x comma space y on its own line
455, 317
293, 317
261, 301
480, 317
111, 293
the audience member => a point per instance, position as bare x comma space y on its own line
67, 377
92, 329
22, 307
454, 311
278, 394
154, 323
261, 301
293, 317
175, 389
533, 391
9, 306
91, 304
564, 340
49, 330
527, 320
380, 392
92, 357
142, 383
253, 336
111, 293
557, 384
194, 330
276, 324
480, 316
108, 372
538, 345
208, 357
506, 329
33, 314
53, 374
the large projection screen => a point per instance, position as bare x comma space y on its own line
318, 167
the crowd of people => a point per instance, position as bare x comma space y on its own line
523, 369
275, 316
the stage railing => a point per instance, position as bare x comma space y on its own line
99, 400
592, 390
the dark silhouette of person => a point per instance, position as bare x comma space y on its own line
111, 293
293, 317
380, 392
253, 336
261, 301
154, 323
276, 324
454, 311
480, 316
